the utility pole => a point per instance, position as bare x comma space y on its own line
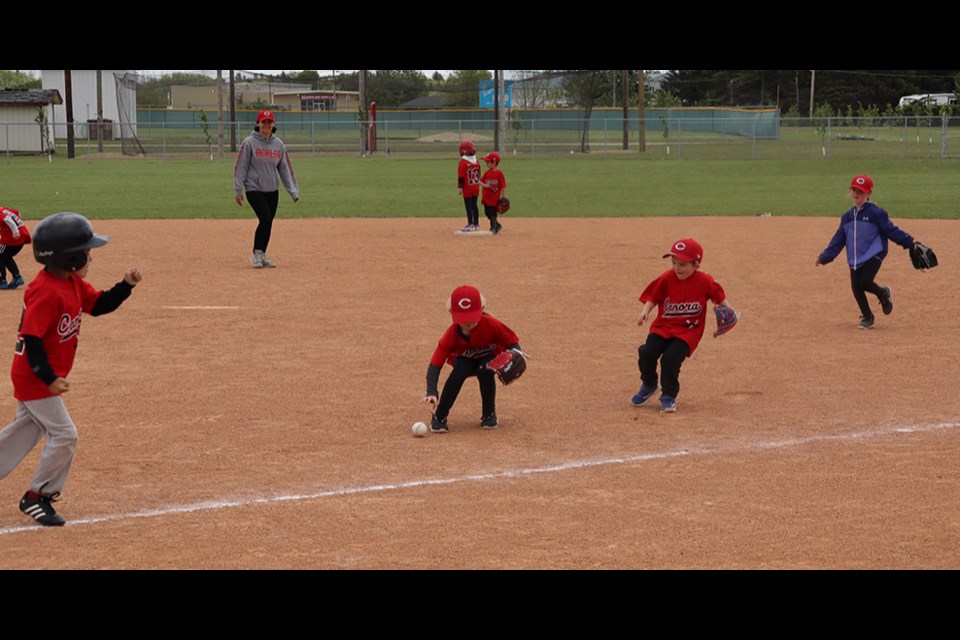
626, 109
496, 110
233, 113
364, 125
641, 107
99, 111
813, 81
220, 113
501, 112
68, 91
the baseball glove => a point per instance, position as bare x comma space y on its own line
726, 320
509, 365
503, 206
923, 257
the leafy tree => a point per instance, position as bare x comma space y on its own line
583, 88
18, 80
393, 87
462, 88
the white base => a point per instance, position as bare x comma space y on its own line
473, 234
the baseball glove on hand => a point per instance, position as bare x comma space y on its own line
923, 257
508, 366
503, 206
726, 319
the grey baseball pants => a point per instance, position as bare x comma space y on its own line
47, 418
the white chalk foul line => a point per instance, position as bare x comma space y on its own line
481, 477
199, 308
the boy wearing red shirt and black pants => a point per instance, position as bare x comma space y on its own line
13, 235
474, 339
681, 295
46, 345
494, 188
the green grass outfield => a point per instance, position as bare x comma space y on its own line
541, 186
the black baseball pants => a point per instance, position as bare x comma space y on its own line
671, 352
464, 368
7, 253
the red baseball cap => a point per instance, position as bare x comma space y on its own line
862, 183
688, 250
266, 114
493, 156
466, 304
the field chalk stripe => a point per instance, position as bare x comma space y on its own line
519, 473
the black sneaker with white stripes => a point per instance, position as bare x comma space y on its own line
39, 508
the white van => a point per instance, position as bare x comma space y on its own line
932, 99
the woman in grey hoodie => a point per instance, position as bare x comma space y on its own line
262, 157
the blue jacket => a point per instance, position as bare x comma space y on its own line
865, 234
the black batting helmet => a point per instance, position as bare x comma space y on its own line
61, 241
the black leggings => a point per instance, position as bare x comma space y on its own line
265, 206
671, 352
473, 211
464, 368
862, 283
7, 262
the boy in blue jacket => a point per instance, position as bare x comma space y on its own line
865, 230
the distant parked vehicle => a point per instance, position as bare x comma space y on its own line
932, 99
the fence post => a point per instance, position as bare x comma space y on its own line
943, 136
754, 137
6, 135
829, 134
533, 138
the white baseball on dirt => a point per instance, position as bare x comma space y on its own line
419, 429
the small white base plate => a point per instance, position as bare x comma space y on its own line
473, 234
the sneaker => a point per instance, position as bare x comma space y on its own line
16, 282
489, 422
865, 323
267, 262
496, 228
4, 285
257, 259
643, 395
439, 425
668, 404
886, 301
467, 229
40, 509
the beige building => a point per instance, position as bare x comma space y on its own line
19, 130
204, 96
317, 100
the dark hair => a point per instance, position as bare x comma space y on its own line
256, 127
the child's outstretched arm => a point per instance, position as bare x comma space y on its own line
645, 313
111, 300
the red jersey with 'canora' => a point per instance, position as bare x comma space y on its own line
493, 185
682, 305
52, 310
490, 337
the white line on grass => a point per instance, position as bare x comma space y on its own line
481, 477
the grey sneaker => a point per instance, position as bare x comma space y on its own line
489, 422
257, 259
865, 323
267, 262
439, 425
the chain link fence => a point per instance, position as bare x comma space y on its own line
666, 136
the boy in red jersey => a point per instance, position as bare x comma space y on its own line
474, 339
681, 295
468, 184
494, 187
13, 235
53, 305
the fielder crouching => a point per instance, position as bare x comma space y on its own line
469, 344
